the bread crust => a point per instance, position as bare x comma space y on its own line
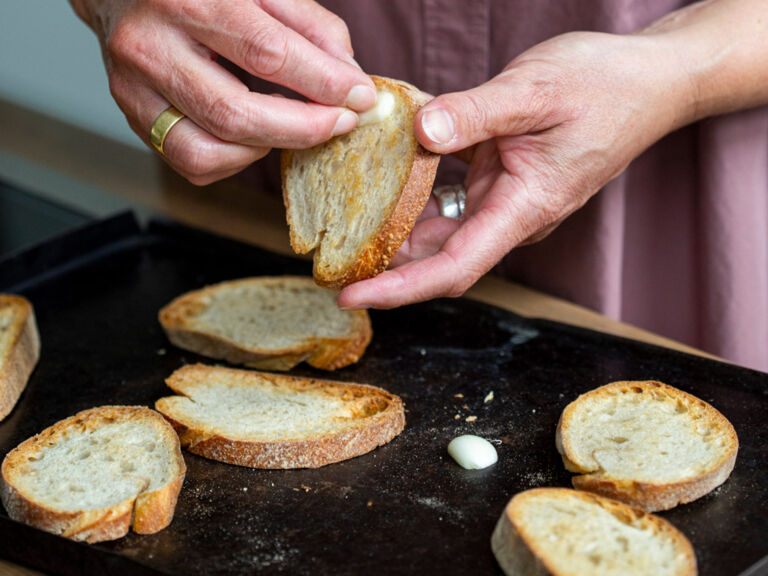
377, 253
322, 353
650, 496
148, 512
19, 360
518, 552
311, 452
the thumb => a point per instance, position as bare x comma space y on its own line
504, 106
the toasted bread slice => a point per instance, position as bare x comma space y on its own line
355, 198
264, 420
647, 444
19, 349
271, 323
562, 532
95, 474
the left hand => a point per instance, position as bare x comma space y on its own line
554, 127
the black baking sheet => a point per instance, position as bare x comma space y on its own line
405, 508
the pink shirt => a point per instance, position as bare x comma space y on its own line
678, 244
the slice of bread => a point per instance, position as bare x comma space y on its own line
264, 420
646, 444
270, 323
355, 198
562, 532
95, 474
19, 349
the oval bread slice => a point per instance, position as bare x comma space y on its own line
355, 198
646, 444
19, 349
270, 323
264, 420
95, 474
561, 532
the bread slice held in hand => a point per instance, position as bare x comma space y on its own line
646, 444
355, 198
96, 474
19, 349
562, 532
264, 420
271, 323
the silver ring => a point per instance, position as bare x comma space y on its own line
451, 200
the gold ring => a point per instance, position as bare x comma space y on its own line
162, 125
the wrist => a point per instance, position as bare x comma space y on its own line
658, 85
721, 51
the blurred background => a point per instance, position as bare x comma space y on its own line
50, 62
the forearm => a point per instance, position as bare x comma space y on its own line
722, 48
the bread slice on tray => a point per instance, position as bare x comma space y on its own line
270, 323
561, 532
19, 349
355, 198
646, 444
94, 475
264, 420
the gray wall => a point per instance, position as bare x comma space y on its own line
50, 61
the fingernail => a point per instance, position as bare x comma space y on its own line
346, 122
438, 125
361, 98
352, 61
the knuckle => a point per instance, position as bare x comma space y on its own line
328, 86
195, 161
459, 287
265, 51
122, 41
128, 48
229, 119
476, 113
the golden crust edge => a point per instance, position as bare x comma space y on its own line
323, 353
19, 363
376, 255
646, 495
156, 508
510, 537
309, 453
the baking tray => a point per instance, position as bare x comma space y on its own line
405, 508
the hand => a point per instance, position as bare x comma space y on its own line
162, 52
555, 126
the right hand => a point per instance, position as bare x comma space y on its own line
163, 52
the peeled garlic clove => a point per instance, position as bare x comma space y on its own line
385, 105
472, 452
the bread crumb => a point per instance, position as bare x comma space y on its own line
369, 503
245, 488
306, 488
458, 395
488, 397
465, 407
457, 416
471, 418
